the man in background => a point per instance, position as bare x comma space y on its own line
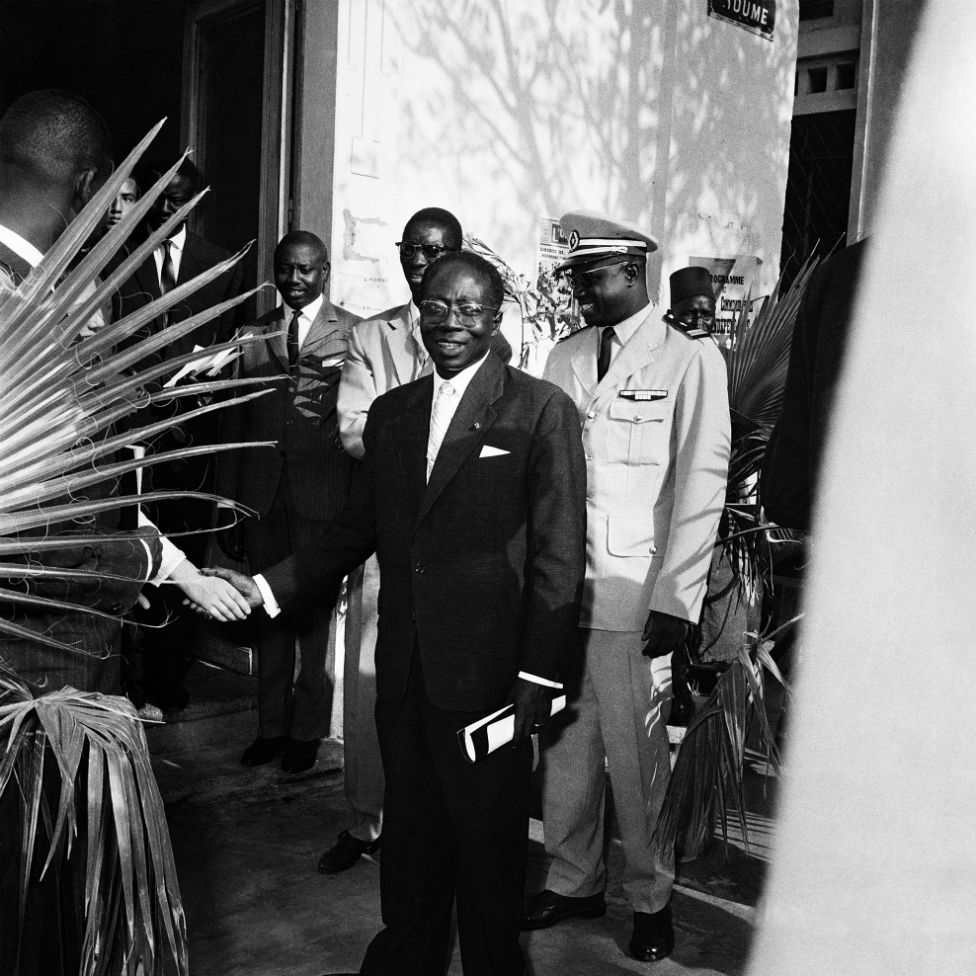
384, 352
653, 403
693, 297
178, 259
293, 488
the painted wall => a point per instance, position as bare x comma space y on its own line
505, 111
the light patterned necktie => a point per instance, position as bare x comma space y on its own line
440, 420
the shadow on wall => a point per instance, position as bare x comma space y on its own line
650, 111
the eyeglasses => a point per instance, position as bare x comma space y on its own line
582, 279
431, 251
435, 310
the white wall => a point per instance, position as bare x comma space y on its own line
505, 111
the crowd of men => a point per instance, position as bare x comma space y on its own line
506, 539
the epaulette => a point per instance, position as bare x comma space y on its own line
575, 332
691, 331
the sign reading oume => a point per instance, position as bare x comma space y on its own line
757, 16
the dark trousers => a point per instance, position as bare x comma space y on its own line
299, 706
451, 829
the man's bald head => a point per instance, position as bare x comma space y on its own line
52, 138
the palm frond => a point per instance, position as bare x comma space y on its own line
62, 391
133, 915
707, 779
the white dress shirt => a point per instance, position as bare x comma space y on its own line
175, 252
306, 317
20, 246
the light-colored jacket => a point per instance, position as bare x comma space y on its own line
382, 355
656, 469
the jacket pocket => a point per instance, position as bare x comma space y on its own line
630, 537
639, 431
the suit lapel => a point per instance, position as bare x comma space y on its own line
469, 426
326, 338
190, 263
278, 344
404, 351
411, 443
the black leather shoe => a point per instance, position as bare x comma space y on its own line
546, 908
300, 755
262, 751
346, 852
653, 936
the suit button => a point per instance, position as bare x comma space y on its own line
290, 421
636, 418
590, 414
115, 608
419, 569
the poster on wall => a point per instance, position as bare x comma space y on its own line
552, 247
756, 16
735, 282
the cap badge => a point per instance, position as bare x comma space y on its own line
574, 240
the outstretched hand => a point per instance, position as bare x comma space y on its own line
214, 597
533, 703
246, 590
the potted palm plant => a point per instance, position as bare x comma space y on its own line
76, 783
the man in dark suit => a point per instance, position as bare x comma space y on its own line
55, 151
179, 259
474, 501
293, 488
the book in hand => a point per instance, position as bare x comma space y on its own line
483, 737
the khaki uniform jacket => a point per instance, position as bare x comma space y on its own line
656, 470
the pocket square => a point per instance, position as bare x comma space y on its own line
334, 361
489, 451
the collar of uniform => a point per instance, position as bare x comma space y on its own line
413, 318
624, 330
309, 312
20, 246
463, 379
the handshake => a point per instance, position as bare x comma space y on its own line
228, 596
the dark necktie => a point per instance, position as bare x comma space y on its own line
293, 339
603, 362
167, 273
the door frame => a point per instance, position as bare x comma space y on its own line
276, 112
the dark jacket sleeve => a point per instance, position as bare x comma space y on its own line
556, 560
341, 545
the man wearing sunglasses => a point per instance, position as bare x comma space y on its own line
385, 352
651, 395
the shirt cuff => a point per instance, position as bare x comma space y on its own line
535, 679
270, 603
171, 556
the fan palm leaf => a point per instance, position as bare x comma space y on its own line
62, 392
134, 917
75, 763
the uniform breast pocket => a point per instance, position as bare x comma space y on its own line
639, 430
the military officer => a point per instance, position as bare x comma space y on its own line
653, 404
